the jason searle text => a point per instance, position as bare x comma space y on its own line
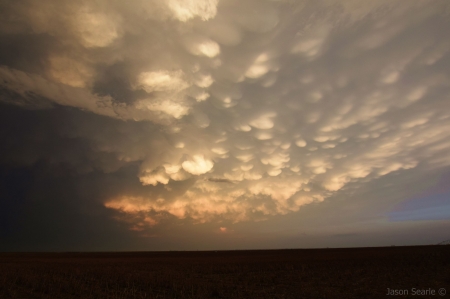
416, 291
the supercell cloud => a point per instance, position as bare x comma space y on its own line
232, 110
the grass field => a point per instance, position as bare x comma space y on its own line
296, 273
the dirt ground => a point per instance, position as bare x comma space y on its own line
295, 273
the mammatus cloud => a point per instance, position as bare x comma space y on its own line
186, 10
261, 107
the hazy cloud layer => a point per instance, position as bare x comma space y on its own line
234, 110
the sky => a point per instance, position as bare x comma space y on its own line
223, 124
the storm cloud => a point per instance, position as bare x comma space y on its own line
213, 112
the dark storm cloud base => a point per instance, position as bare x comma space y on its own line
297, 273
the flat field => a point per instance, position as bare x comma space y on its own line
294, 273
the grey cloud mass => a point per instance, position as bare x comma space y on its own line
219, 113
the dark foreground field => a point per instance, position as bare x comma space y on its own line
302, 273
